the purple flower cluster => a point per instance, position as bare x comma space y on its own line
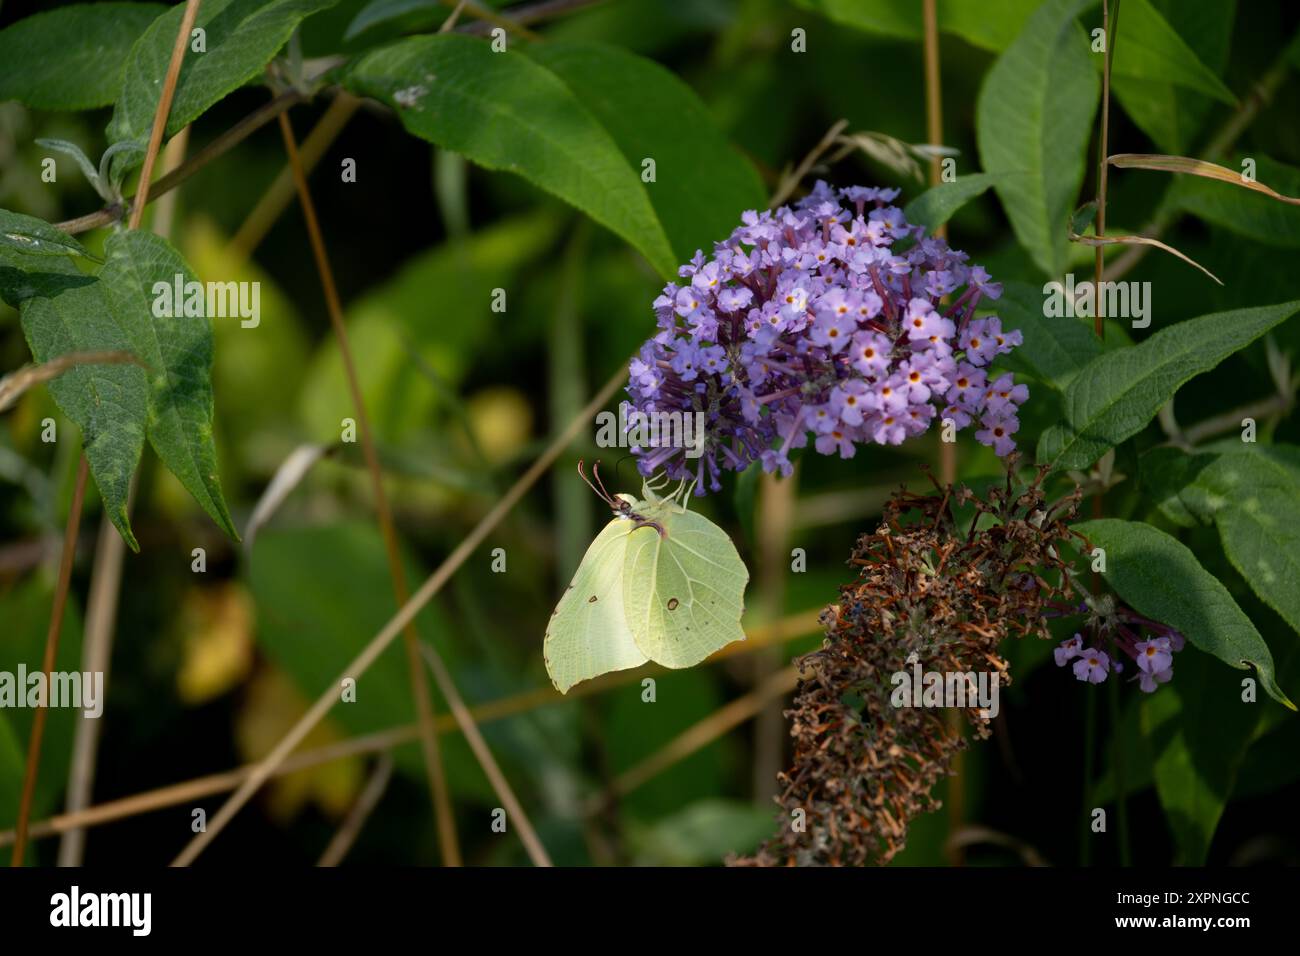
1153, 656
824, 321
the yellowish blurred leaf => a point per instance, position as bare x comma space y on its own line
502, 419
272, 706
217, 624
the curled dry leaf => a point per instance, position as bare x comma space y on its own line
1140, 241
1087, 213
1195, 167
13, 385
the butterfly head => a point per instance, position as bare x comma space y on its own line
623, 506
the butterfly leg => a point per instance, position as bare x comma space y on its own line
643, 523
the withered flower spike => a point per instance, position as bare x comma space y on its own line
864, 769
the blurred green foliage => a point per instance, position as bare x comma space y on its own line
208, 669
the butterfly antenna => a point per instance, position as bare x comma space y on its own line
595, 471
600, 492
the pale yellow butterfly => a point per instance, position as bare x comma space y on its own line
659, 583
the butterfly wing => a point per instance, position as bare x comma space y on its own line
588, 633
683, 591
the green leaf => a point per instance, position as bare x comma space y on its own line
1054, 349
1166, 473
71, 58
704, 833
939, 203
1116, 394
504, 111
702, 184
1245, 212
1148, 48
1160, 577
1173, 116
1200, 730
241, 37
1252, 494
29, 236
321, 593
1033, 120
990, 24
394, 318
684, 698
386, 11
178, 350
64, 311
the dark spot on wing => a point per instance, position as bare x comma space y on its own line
592, 599
672, 604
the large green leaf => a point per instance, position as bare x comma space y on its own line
1160, 577
1243, 211
1173, 115
939, 203
1252, 494
505, 111
1200, 730
1148, 48
991, 24
1116, 394
1033, 120
241, 37
28, 236
178, 350
702, 184
71, 58
1054, 349
64, 311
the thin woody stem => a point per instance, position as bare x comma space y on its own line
104, 592
956, 798
356, 819
232, 137
1168, 212
701, 734
796, 625
1109, 21
505, 793
1110, 28
83, 467
51, 654
380, 641
447, 839
215, 149
281, 191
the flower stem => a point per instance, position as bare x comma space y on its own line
447, 839
1089, 746
1121, 797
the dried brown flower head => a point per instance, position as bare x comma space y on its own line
932, 592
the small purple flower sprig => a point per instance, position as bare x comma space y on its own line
820, 322
1152, 652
